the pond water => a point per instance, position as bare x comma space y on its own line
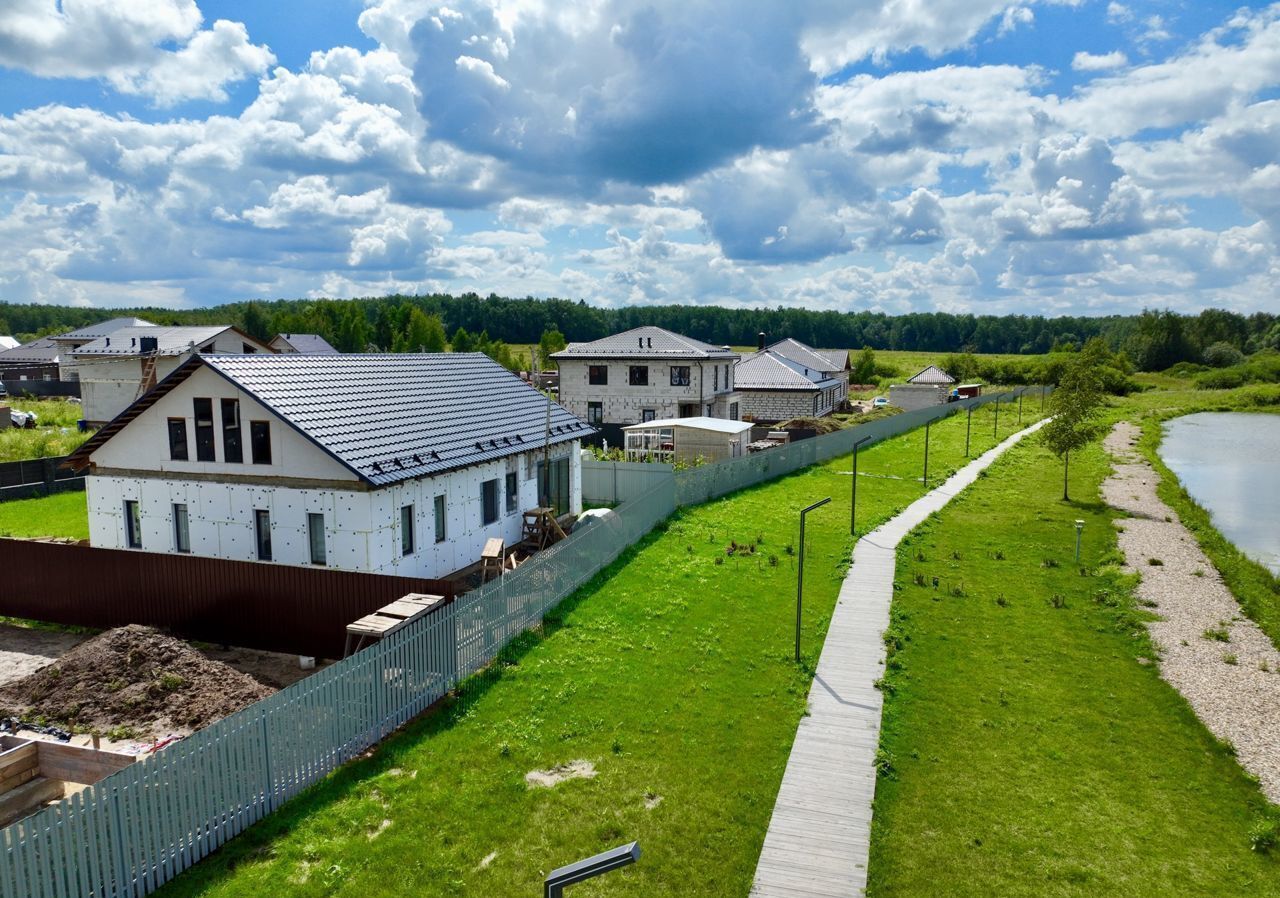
1230, 463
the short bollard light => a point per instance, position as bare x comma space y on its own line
1079, 530
622, 856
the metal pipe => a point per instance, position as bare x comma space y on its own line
800, 571
622, 856
853, 504
995, 430
968, 426
925, 478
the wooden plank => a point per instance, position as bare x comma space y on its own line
78, 763
16, 758
18, 803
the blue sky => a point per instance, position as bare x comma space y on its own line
1061, 157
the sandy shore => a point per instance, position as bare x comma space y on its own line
1233, 685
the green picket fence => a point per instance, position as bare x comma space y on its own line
140, 827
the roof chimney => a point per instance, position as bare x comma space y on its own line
133, 341
640, 340
108, 341
651, 342
760, 344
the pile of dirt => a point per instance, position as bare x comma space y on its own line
133, 677
818, 425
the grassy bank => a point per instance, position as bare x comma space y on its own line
62, 515
671, 673
55, 435
1029, 748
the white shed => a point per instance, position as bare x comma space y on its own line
687, 440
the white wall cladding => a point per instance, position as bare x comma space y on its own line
709, 385
362, 528
782, 405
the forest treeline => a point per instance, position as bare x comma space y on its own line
1152, 340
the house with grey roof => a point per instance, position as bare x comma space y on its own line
307, 344
645, 374
930, 386
395, 464
37, 360
116, 368
777, 388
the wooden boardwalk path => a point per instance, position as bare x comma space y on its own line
820, 834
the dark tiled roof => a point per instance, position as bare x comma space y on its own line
307, 344
769, 370
932, 375
388, 417
645, 342
169, 340
102, 328
818, 359
41, 352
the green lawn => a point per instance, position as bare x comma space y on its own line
1027, 750
62, 515
56, 434
671, 672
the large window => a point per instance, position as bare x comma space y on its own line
715, 378
262, 533
489, 501
260, 437
406, 529
595, 412
733, 411
178, 439
181, 529
638, 376
441, 531
232, 450
648, 414
315, 538
597, 375
553, 484
679, 375
204, 429
513, 492
132, 524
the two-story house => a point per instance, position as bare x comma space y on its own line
645, 374
791, 380
395, 464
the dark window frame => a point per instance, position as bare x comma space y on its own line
595, 412
202, 412
440, 508
260, 442
512, 489
262, 534
489, 502
232, 441
321, 558
638, 375
132, 524
598, 375
680, 376
178, 449
181, 533
406, 530
648, 414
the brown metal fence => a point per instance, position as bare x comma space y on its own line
278, 607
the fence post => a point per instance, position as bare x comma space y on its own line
266, 766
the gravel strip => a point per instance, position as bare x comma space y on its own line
1233, 684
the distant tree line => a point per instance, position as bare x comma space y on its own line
1153, 340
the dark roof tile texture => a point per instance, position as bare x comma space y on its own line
645, 342
393, 417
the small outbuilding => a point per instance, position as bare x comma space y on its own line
932, 386
687, 440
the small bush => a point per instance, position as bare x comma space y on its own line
1058, 600
1230, 658
1155, 562
1218, 633
918, 579
1049, 563
1264, 835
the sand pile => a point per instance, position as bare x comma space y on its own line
135, 677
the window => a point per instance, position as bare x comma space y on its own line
639, 376
597, 375
733, 411
248, 350
181, 530
440, 528
513, 492
315, 538
715, 375
595, 412
726, 377
260, 437
406, 529
815, 403
489, 501
132, 524
178, 439
553, 486
262, 532
679, 375
232, 450
204, 429
647, 414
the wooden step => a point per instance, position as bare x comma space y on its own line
28, 798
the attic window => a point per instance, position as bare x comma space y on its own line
377, 468
480, 447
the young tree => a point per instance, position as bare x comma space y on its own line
864, 370
552, 341
462, 341
424, 333
1074, 406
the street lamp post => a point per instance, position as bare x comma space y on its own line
995, 430
800, 570
925, 479
968, 425
853, 504
1079, 530
1020, 392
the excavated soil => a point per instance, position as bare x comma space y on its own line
134, 677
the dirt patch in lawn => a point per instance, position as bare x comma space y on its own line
24, 650
573, 770
136, 678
